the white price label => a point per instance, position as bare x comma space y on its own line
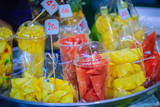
65, 10
51, 26
82, 26
50, 5
124, 14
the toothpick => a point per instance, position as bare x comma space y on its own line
53, 61
38, 16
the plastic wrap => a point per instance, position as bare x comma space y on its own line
69, 39
127, 69
91, 67
109, 24
6, 38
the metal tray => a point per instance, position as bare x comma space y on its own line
6, 101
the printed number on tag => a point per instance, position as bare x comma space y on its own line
65, 11
82, 26
124, 14
50, 5
51, 26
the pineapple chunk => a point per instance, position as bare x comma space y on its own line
130, 82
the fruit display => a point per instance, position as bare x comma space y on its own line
5, 57
30, 88
68, 46
125, 61
91, 69
125, 76
31, 42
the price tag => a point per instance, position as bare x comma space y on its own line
124, 14
65, 11
82, 26
50, 5
51, 26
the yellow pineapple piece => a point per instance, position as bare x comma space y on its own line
108, 41
67, 99
120, 93
102, 23
114, 93
58, 95
110, 80
5, 32
123, 70
137, 89
130, 82
125, 55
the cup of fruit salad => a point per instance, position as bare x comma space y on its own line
69, 39
91, 62
6, 38
31, 42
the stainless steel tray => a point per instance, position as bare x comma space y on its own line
6, 101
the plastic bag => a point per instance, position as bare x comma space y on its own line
127, 69
91, 67
6, 38
109, 24
69, 39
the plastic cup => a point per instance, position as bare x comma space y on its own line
32, 49
5, 62
91, 63
69, 39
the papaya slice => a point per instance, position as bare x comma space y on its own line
83, 80
98, 83
91, 96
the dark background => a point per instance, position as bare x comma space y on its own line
16, 12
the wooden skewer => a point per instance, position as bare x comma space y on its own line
53, 61
38, 16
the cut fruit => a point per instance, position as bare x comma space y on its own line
98, 83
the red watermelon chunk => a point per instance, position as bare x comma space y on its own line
94, 71
91, 96
149, 44
83, 80
99, 82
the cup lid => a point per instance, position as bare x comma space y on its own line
91, 51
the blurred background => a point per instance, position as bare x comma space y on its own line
15, 12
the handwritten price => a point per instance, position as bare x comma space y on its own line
65, 11
51, 26
50, 5
124, 14
53, 6
82, 26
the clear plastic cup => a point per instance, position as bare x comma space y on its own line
31, 42
69, 39
91, 62
5, 57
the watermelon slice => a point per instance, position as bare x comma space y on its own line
91, 96
83, 80
99, 82
94, 71
149, 44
